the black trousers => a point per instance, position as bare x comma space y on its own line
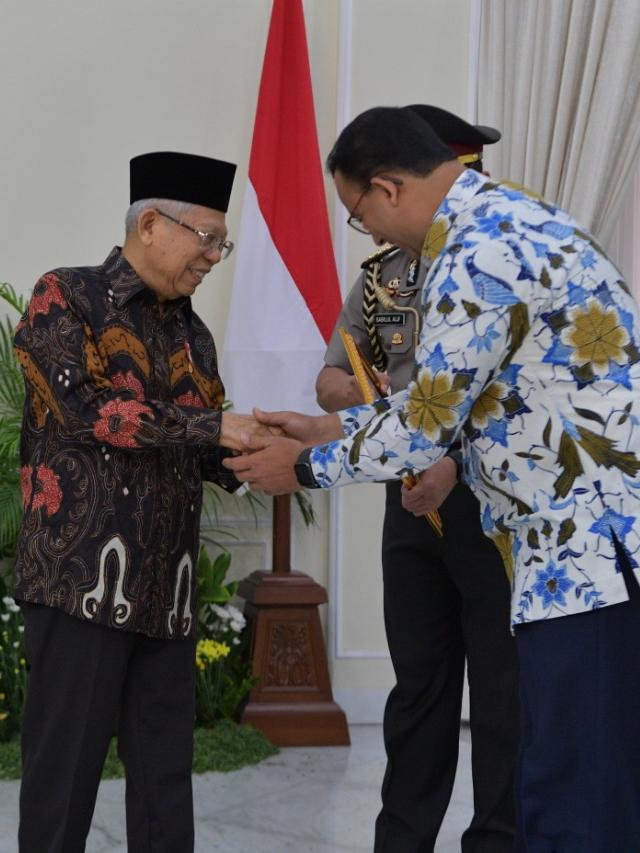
446, 600
85, 683
579, 771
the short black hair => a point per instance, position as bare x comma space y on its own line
385, 138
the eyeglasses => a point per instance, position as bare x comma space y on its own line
208, 239
354, 219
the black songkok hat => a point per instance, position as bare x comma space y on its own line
463, 138
182, 177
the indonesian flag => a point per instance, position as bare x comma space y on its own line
285, 297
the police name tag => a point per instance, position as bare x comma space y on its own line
391, 319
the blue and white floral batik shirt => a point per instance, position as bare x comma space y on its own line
529, 351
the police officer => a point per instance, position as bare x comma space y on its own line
446, 598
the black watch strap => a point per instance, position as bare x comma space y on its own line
304, 471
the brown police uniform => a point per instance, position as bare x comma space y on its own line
446, 601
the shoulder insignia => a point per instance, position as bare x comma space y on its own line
385, 251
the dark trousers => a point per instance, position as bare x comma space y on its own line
446, 600
579, 770
85, 682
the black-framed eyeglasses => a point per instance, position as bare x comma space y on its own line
354, 219
208, 239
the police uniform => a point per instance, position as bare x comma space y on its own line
446, 600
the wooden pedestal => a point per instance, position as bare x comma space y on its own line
292, 702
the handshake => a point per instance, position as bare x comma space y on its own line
268, 444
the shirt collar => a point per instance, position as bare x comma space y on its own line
126, 284
464, 188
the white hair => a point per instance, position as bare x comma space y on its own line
174, 208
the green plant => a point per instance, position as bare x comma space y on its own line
11, 405
223, 668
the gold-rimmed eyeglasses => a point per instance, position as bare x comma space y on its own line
208, 239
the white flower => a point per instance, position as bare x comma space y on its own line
220, 612
235, 613
16, 644
7, 600
21, 629
5, 617
237, 626
236, 641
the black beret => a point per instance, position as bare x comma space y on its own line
462, 137
182, 177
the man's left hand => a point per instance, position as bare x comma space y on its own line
432, 487
268, 464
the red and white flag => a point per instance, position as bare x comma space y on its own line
285, 297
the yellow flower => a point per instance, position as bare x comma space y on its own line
596, 336
488, 405
432, 403
3, 716
208, 651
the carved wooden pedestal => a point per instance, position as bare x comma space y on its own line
292, 702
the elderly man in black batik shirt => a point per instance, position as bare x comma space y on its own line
122, 423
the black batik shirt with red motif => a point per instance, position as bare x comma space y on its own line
121, 425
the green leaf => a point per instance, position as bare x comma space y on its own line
569, 461
603, 452
545, 278
211, 575
567, 529
587, 414
471, 308
518, 330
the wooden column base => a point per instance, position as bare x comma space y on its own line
292, 702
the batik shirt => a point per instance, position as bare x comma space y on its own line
529, 351
121, 424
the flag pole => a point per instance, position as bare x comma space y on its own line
284, 304
281, 563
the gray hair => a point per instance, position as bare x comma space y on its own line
170, 206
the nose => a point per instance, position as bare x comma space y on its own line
213, 255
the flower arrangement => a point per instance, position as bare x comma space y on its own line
13, 671
223, 667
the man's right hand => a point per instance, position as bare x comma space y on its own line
235, 426
336, 389
308, 429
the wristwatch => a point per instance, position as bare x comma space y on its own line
304, 471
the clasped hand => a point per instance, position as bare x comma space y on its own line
271, 444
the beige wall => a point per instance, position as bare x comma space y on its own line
84, 86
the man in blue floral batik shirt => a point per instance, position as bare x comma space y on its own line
529, 353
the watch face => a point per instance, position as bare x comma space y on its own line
304, 474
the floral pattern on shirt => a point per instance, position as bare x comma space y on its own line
529, 353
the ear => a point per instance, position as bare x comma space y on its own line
390, 186
147, 222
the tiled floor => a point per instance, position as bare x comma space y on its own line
320, 800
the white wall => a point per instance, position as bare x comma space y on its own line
84, 86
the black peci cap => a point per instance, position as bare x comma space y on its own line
463, 138
182, 177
